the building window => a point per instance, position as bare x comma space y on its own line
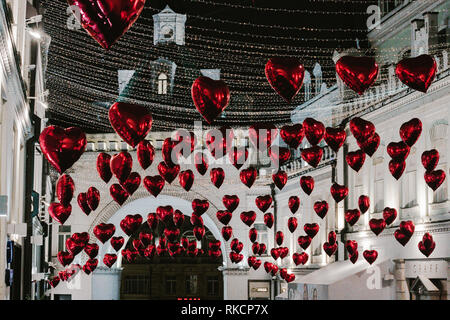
262, 237
212, 286
64, 232
136, 284
409, 198
379, 187
171, 285
162, 83
191, 284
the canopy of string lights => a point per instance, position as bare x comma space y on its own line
236, 36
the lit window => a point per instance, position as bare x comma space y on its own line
162, 83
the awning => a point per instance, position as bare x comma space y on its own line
429, 286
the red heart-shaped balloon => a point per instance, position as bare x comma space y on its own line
172, 234
355, 159
248, 217
230, 202
104, 231
284, 251
152, 220
314, 130
65, 258
289, 277
210, 97
398, 150
275, 253
307, 184
74, 246
332, 237
262, 135
351, 246
107, 20
279, 238
238, 156
370, 255
285, 75
292, 224
196, 220
434, 179
417, 73
169, 173
268, 220
268, 266
430, 159
200, 206
335, 138
301, 258
427, 245
217, 177
121, 165
311, 229
59, 212
64, 189
131, 122
117, 242
248, 176
219, 141
329, 248
201, 163
186, 179
304, 241
214, 245
251, 260
262, 249
389, 215
82, 201
145, 154
138, 245
312, 155
362, 129
292, 135
118, 193
131, 184
352, 216
236, 257
236, 245
227, 232
321, 208
397, 167
255, 247
93, 198
224, 216
294, 204
263, 202
150, 251
170, 152
199, 232
62, 147
91, 250
410, 131
404, 232
279, 155
370, 146
279, 179
109, 259
154, 184
358, 73
178, 219
90, 266
377, 225
252, 234
103, 166
363, 203
131, 223
53, 282
338, 192
165, 214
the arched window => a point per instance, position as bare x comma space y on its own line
162, 83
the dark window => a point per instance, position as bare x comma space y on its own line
136, 284
213, 286
191, 284
171, 285
63, 234
63, 297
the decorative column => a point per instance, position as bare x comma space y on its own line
401, 287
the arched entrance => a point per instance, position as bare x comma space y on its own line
130, 274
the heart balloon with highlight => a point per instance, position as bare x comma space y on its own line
377, 225
104, 231
130, 121
268, 220
417, 73
62, 147
362, 129
397, 167
355, 159
434, 179
321, 208
430, 159
312, 155
217, 176
154, 184
398, 150
93, 198
304, 241
65, 188
117, 242
370, 146
352, 216
279, 179
210, 97
404, 232
279, 155
201, 163
292, 224
248, 176
338, 192
335, 138
121, 165
82, 201
294, 204
59, 212
370, 255
224, 216
186, 179
118, 194
109, 259
389, 215
307, 184
131, 223
145, 154
410, 131
363, 203
292, 135
427, 245
248, 217
263, 202
311, 229
285, 76
91, 249
168, 172
230, 202
227, 232
358, 73
103, 166
314, 130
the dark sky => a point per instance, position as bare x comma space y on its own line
80, 72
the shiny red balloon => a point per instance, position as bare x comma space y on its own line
335, 138
103, 166
186, 179
358, 73
93, 198
430, 159
154, 184
410, 131
118, 193
312, 155
217, 177
292, 135
314, 130
355, 159
417, 73
107, 20
59, 212
248, 176
62, 147
121, 165
338, 192
145, 154
307, 184
434, 179
210, 97
285, 75
64, 189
